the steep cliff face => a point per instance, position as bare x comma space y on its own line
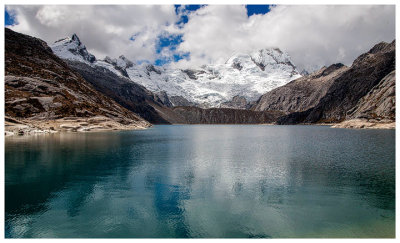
300, 94
376, 109
347, 87
365, 73
40, 86
196, 115
379, 103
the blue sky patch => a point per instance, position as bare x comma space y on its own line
183, 10
9, 18
257, 9
170, 42
175, 58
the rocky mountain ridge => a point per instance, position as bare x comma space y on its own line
41, 86
338, 93
300, 94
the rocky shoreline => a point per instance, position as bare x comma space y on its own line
21, 127
67, 124
357, 124
366, 124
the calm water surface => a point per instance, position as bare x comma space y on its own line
202, 181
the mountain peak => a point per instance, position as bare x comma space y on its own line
265, 60
72, 49
271, 55
75, 38
262, 58
378, 49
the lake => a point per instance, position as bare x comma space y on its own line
208, 181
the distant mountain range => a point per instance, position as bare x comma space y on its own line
242, 75
64, 81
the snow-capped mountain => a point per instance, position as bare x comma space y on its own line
71, 48
246, 75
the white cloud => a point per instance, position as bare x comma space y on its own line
313, 35
105, 30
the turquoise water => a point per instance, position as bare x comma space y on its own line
202, 181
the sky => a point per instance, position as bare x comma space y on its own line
192, 35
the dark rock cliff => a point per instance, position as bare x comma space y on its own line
300, 94
331, 94
379, 103
195, 115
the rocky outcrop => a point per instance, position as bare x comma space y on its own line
31, 126
379, 103
377, 109
335, 99
301, 94
39, 86
366, 124
365, 73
